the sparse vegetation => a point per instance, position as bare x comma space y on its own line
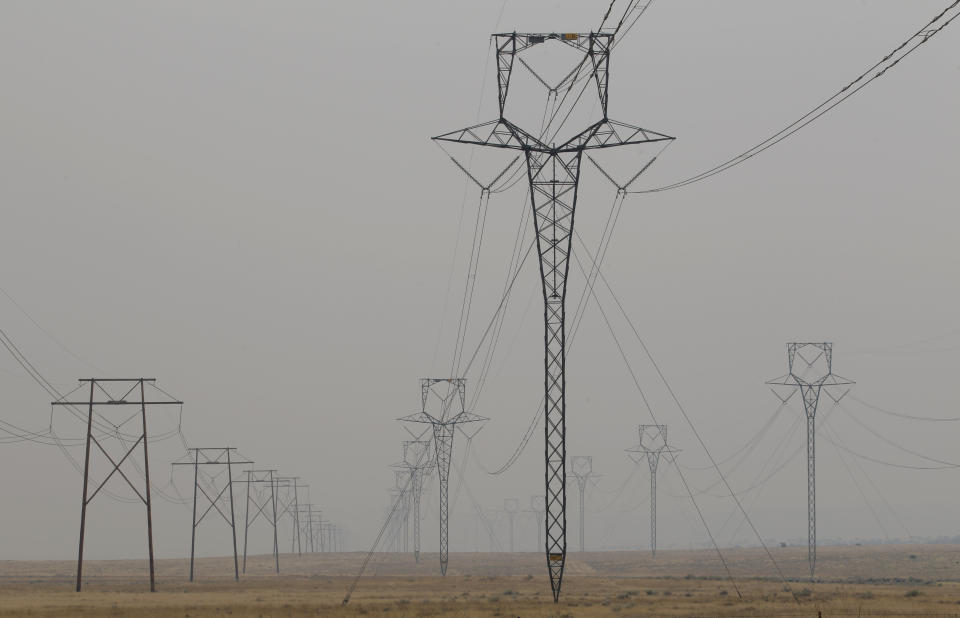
872, 579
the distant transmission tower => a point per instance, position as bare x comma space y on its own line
537, 506
401, 477
653, 444
817, 358
581, 468
511, 506
213, 456
553, 173
257, 479
416, 461
309, 519
451, 396
394, 496
113, 393
288, 503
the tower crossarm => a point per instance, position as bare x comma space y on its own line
524, 40
467, 417
608, 133
500, 133
419, 417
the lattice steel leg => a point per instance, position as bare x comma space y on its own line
443, 441
811, 495
553, 181
653, 510
417, 488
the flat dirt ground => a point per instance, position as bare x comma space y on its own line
900, 580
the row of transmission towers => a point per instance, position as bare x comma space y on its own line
553, 174
443, 403
810, 372
652, 445
268, 496
410, 473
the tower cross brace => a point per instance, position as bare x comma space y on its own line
553, 175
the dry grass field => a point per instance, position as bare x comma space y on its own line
921, 580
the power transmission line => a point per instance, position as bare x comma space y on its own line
910, 417
878, 70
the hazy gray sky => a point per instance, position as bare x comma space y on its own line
241, 199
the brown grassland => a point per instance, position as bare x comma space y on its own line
918, 580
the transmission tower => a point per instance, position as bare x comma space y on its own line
213, 456
257, 479
415, 461
511, 506
309, 520
114, 393
328, 531
553, 173
817, 358
395, 519
581, 468
333, 536
331, 531
449, 394
400, 491
294, 510
653, 444
306, 513
288, 503
323, 546
537, 506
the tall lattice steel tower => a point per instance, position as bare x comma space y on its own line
581, 468
816, 359
553, 173
653, 444
450, 396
